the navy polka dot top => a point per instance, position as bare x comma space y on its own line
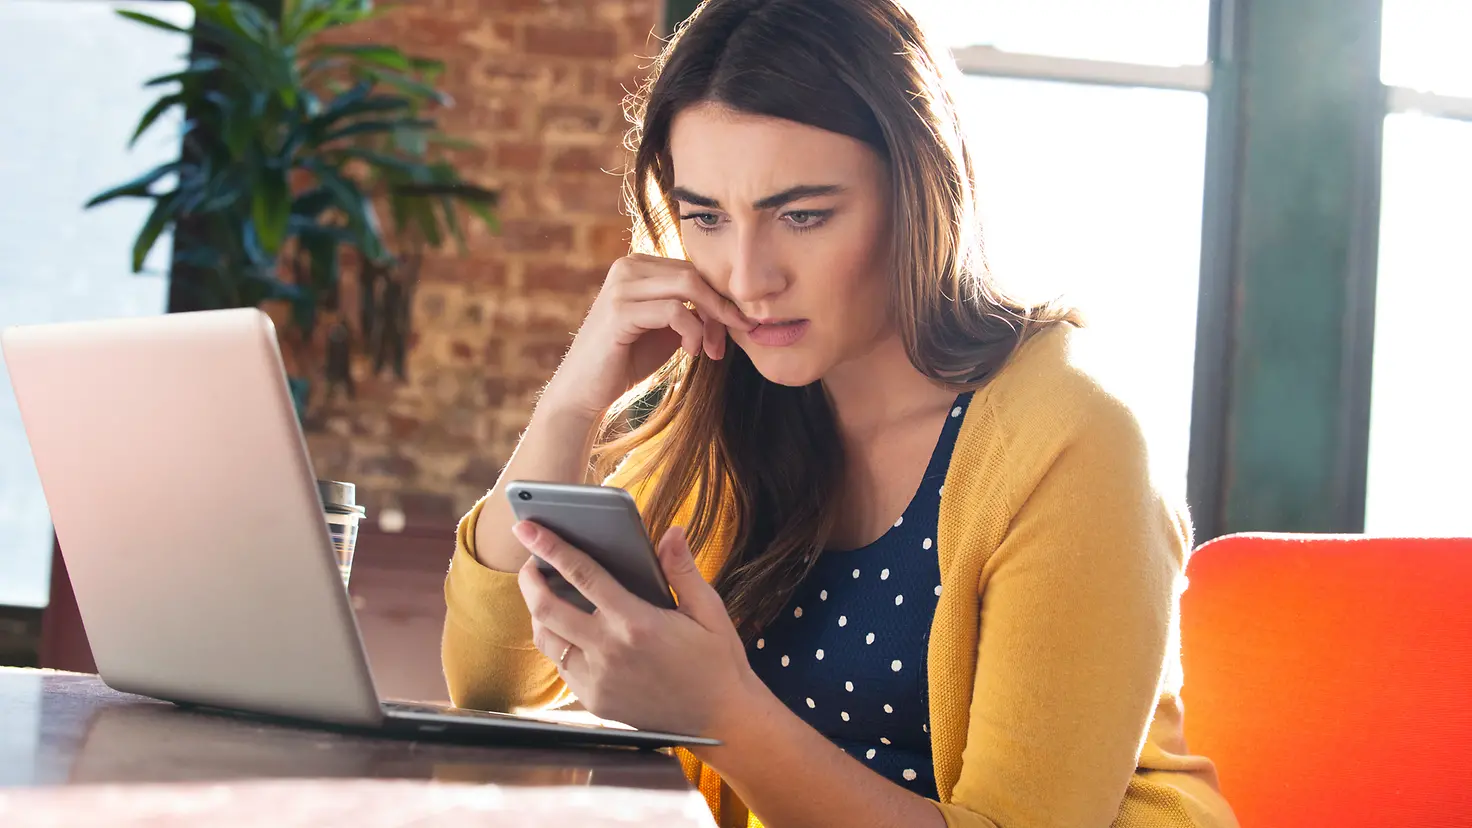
848, 653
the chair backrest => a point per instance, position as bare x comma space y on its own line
1330, 678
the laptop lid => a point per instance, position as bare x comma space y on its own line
186, 509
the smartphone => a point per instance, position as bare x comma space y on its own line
603, 522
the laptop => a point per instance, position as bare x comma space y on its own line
187, 512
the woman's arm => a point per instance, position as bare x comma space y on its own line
555, 448
685, 671
791, 775
640, 317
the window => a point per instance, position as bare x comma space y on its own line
1427, 45
1420, 441
1090, 141
1156, 32
74, 73
1094, 194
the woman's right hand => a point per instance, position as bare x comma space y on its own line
638, 320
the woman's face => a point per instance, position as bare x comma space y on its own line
790, 222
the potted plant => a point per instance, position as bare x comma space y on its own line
289, 142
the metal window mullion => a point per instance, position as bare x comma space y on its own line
991, 61
1403, 100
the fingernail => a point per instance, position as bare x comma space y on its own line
526, 532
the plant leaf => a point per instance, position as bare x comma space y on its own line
137, 188
386, 56
149, 20
413, 87
339, 109
311, 203
159, 107
375, 127
270, 209
161, 217
199, 66
363, 222
484, 213
449, 142
405, 166
452, 223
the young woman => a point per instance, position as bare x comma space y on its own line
924, 578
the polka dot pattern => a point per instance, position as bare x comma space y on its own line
864, 615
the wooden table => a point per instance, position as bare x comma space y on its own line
74, 752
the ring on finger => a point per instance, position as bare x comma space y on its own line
562, 659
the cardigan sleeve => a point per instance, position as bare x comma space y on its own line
489, 660
1077, 604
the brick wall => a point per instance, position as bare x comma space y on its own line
539, 85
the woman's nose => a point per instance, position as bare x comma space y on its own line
756, 274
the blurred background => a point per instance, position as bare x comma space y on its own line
1255, 203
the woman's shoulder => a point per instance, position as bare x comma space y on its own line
1047, 398
1052, 382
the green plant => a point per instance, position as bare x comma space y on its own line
288, 140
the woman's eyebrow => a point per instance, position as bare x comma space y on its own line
768, 203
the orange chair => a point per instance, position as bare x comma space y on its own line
1330, 678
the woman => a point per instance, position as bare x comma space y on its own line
924, 578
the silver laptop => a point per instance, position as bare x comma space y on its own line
187, 512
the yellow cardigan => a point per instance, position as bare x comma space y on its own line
1054, 665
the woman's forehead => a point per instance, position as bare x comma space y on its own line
725, 154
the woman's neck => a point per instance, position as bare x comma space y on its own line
879, 388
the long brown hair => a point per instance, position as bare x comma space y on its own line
763, 461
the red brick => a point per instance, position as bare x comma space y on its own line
529, 78
516, 155
511, 72
535, 236
580, 160
545, 355
561, 277
494, 118
599, 195
479, 271
482, 470
609, 242
571, 41
401, 427
392, 465
577, 118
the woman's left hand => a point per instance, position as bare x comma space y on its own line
683, 670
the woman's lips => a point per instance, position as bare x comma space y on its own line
778, 333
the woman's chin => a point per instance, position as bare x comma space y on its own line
785, 369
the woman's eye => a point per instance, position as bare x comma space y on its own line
705, 221
806, 219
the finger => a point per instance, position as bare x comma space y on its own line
697, 598
592, 580
549, 643
672, 314
715, 337
679, 279
553, 616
